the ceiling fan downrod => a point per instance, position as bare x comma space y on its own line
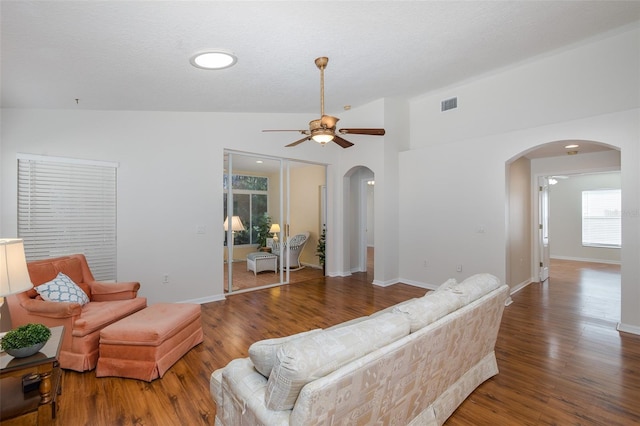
321, 63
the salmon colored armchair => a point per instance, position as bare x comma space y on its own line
108, 303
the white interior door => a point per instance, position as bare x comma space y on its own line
543, 228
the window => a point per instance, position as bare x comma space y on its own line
250, 201
68, 206
601, 218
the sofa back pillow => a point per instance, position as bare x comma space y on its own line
309, 358
475, 287
429, 308
72, 267
263, 353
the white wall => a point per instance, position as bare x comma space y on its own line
591, 79
452, 181
169, 182
565, 218
519, 225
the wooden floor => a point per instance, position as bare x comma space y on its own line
561, 360
244, 279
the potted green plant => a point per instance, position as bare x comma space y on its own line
262, 227
320, 248
25, 340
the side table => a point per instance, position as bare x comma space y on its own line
37, 406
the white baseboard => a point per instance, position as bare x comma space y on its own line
418, 284
627, 328
520, 286
585, 259
201, 300
385, 283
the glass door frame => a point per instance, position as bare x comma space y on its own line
283, 217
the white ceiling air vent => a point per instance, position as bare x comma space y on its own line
448, 104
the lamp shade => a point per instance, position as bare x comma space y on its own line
236, 224
275, 228
14, 276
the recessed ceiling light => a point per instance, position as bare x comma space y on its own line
213, 59
572, 146
259, 161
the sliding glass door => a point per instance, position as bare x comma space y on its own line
268, 199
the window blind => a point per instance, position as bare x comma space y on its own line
601, 218
68, 206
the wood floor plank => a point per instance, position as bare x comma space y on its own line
561, 360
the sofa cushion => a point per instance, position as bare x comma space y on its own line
97, 315
429, 308
316, 355
373, 315
451, 282
41, 272
72, 267
263, 353
62, 289
475, 287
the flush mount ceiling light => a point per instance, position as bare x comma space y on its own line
213, 59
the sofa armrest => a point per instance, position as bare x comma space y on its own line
43, 308
104, 292
240, 396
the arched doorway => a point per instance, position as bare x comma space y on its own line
528, 236
359, 220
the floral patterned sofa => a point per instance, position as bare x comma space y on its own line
410, 364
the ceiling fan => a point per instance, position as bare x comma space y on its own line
323, 130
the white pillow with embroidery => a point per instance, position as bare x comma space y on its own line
62, 289
263, 353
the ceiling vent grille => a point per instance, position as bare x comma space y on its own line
448, 104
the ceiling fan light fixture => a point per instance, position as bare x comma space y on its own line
322, 136
214, 59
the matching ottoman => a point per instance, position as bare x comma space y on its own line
146, 344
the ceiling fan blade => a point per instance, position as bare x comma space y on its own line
328, 121
306, 138
374, 132
342, 142
303, 132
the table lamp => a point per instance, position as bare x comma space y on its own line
14, 275
236, 224
275, 229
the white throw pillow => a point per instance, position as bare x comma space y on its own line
447, 285
62, 289
311, 357
476, 286
263, 353
430, 308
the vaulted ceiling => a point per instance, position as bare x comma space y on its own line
134, 55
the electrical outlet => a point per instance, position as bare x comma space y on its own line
459, 268
425, 263
165, 279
